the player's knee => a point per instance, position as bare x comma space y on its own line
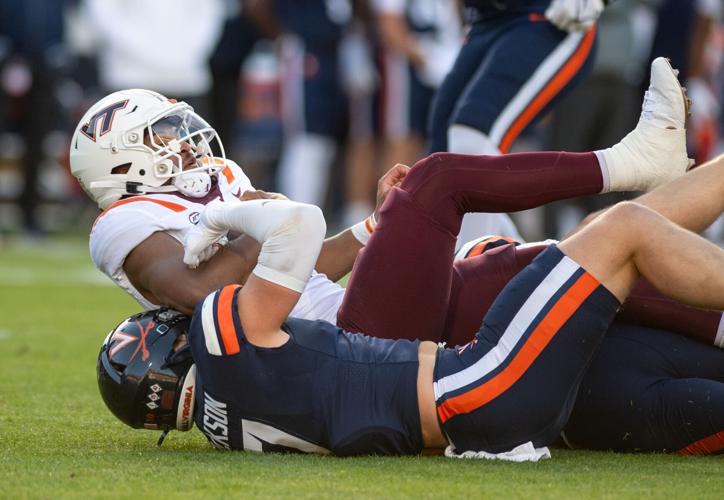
630, 211
425, 170
627, 218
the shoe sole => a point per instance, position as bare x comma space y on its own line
684, 95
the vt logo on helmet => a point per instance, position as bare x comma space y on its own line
137, 141
105, 117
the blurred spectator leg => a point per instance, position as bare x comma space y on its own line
36, 121
237, 41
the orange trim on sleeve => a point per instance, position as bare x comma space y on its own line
563, 309
176, 207
552, 88
226, 321
228, 174
706, 446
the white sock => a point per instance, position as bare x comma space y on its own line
469, 141
604, 171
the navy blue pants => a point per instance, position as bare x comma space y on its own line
509, 73
517, 380
650, 390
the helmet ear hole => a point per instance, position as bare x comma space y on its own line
117, 366
121, 169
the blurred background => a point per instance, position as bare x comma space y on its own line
243, 64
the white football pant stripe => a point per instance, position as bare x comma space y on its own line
513, 333
550, 66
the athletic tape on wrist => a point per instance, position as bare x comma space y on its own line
362, 231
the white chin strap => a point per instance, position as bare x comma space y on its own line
193, 184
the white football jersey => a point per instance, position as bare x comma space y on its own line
129, 221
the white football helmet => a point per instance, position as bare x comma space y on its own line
137, 141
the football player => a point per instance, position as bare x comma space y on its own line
518, 58
152, 165
231, 320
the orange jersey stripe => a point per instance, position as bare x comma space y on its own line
168, 204
705, 446
228, 174
538, 340
226, 322
546, 95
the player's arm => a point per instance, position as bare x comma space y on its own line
291, 237
156, 269
339, 252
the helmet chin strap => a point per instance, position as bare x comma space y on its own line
193, 184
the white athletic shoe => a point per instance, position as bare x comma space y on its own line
655, 151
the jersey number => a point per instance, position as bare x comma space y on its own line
256, 435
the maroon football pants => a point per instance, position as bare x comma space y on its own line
404, 283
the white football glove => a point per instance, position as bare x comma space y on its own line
204, 240
574, 15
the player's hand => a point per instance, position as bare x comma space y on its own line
392, 178
203, 240
258, 194
574, 15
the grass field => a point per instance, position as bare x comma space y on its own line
58, 440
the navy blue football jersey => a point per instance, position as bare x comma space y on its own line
323, 391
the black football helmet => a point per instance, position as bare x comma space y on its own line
142, 380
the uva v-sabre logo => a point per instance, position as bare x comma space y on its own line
105, 117
121, 339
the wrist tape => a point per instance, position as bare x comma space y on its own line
362, 231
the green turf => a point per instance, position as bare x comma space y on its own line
58, 440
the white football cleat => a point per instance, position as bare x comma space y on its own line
655, 151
